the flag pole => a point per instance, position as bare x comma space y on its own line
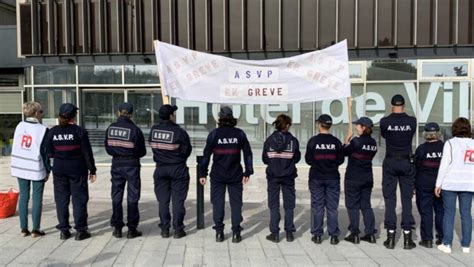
164, 96
349, 111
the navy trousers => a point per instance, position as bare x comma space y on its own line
427, 203
218, 189
65, 189
129, 175
325, 197
171, 185
287, 186
400, 172
357, 198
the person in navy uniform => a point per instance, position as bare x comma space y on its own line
125, 142
281, 152
427, 160
324, 154
171, 148
398, 167
359, 181
73, 165
226, 143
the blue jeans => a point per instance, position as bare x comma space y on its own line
37, 195
465, 202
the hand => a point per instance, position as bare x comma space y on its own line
348, 139
46, 178
414, 192
437, 191
245, 179
92, 178
202, 181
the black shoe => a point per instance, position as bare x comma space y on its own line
236, 238
439, 241
353, 238
426, 243
334, 240
179, 233
290, 237
317, 239
37, 233
408, 241
25, 232
82, 235
220, 236
165, 233
369, 238
273, 237
117, 233
390, 242
132, 233
65, 235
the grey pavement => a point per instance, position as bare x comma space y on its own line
199, 247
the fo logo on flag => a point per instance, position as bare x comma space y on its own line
26, 141
469, 156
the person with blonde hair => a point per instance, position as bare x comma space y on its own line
31, 166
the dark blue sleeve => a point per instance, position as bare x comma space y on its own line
264, 152
297, 155
44, 152
309, 152
340, 153
185, 148
140, 146
382, 127
87, 152
206, 157
348, 149
248, 157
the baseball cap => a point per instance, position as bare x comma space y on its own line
226, 112
68, 110
125, 108
398, 100
431, 127
325, 119
364, 121
166, 110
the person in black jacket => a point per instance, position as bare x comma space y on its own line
359, 181
427, 161
125, 142
324, 154
171, 148
281, 152
398, 167
226, 143
73, 164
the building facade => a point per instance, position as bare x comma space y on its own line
98, 53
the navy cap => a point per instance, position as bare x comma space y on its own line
398, 100
125, 108
226, 112
325, 119
364, 121
166, 110
431, 127
68, 110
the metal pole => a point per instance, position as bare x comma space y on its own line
199, 197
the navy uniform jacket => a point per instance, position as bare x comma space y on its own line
227, 143
124, 141
170, 143
398, 130
360, 152
281, 152
427, 159
324, 154
71, 150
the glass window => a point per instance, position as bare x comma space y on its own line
445, 69
377, 105
379, 70
64, 74
346, 22
355, 71
327, 23
366, 23
28, 75
141, 74
100, 74
384, 23
405, 23
52, 98
8, 124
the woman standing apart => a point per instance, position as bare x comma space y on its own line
30, 165
73, 164
456, 180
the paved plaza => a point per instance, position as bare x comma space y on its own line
199, 247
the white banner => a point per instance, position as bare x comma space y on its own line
197, 76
